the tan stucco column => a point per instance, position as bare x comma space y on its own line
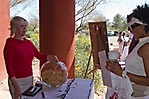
57, 26
4, 33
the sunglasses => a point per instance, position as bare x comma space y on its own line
134, 25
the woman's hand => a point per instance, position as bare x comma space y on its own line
17, 90
17, 93
52, 58
114, 67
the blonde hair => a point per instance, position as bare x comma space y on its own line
13, 23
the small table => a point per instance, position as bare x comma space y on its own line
78, 89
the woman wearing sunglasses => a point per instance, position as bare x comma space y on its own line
137, 62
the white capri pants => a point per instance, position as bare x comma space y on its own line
24, 84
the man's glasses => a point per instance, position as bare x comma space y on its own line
134, 25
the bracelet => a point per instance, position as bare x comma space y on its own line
124, 73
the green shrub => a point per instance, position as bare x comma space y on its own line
82, 53
34, 37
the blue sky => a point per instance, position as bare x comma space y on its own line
109, 10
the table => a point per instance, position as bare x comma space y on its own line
79, 89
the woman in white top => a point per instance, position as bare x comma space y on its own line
137, 62
121, 40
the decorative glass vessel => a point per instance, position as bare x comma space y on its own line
54, 74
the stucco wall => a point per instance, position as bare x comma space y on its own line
4, 33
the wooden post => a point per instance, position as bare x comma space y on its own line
57, 30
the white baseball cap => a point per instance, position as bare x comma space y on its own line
134, 20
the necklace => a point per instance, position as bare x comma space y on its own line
19, 38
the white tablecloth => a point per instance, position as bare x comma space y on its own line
79, 89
